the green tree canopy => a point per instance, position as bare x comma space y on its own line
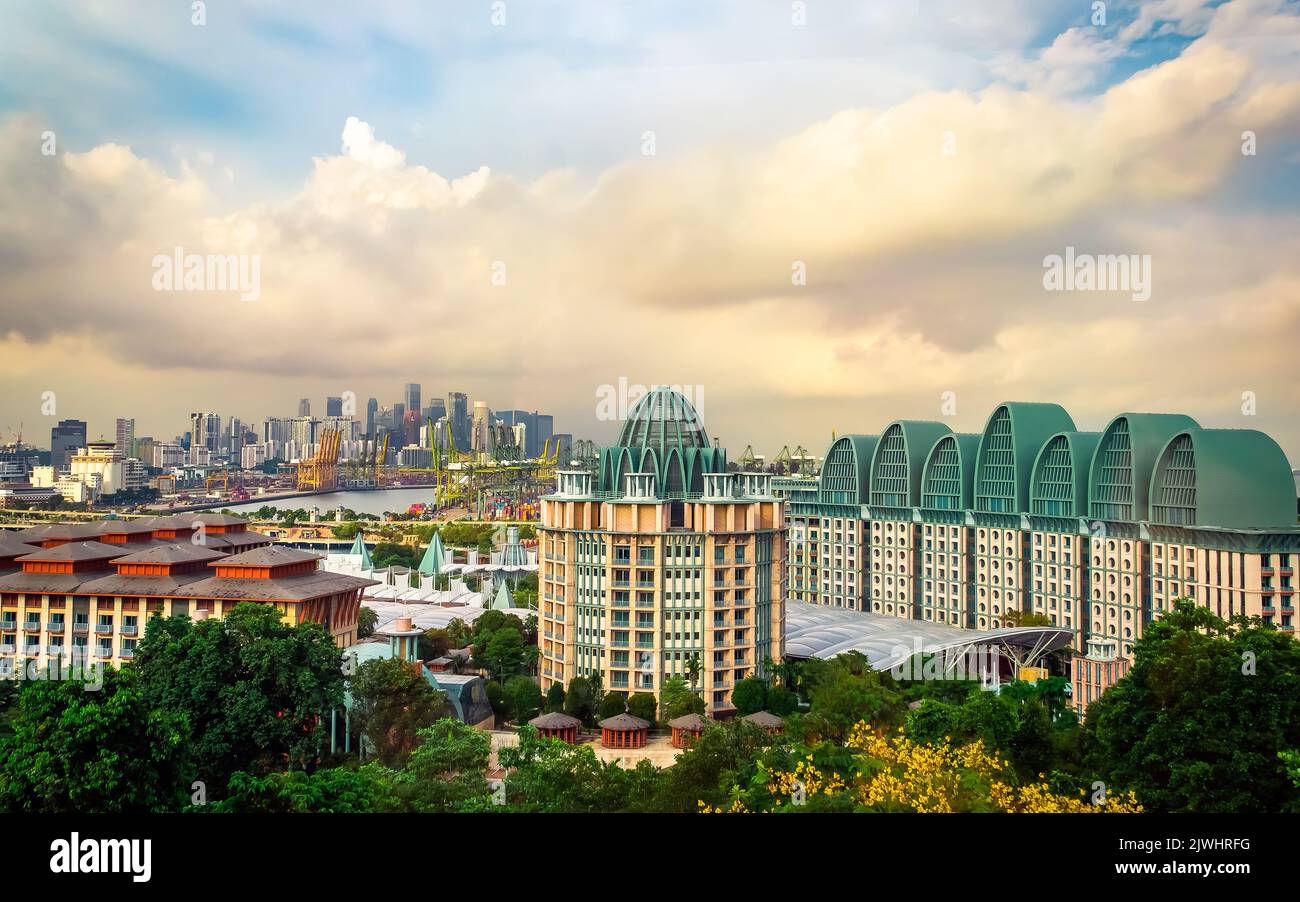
73, 750
252, 691
392, 702
1199, 722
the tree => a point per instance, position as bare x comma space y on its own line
724, 755
367, 619
547, 775
525, 698
435, 644
579, 701
846, 690
253, 692
678, 699
781, 701
555, 698
459, 632
1200, 720
749, 695
79, 751
502, 654
392, 702
333, 790
445, 773
694, 670
612, 705
644, 706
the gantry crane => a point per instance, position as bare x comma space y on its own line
322, 470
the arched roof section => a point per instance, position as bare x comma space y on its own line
1059, 487
898, 462
846, 471
1120, 476
1226, 478
663, 419
949, 478
1012, 438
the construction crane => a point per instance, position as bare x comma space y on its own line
322, 470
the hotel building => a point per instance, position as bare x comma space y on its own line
660, 558
1098, 532
89, 588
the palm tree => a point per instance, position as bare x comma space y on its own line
694, 671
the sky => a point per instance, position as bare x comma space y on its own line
815, 217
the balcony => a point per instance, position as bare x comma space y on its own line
56, 626
9, 626
80, 627
32, 626
129, 629
103, 628
126, 653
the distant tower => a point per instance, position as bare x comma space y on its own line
65, 440
412, 396
304, 407
125, 435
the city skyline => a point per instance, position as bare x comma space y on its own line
384, 213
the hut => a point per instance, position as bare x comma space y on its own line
623, 731
557, 726
767, 720
686, 729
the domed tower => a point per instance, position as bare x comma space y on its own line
661, 565
663, 436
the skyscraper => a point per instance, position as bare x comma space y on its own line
304, 407
125, 436
458, 416
411, 396
65, 439
333, 407
205, 435
544, 431
372, 411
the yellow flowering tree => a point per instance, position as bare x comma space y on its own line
891, 773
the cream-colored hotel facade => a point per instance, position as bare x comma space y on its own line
1097, 532
659, 559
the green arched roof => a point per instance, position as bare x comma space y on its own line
846, 471
1059, 487
663, 419
1225, 478
1120, 476
1012, 438
949, 480
898, 462
665, 436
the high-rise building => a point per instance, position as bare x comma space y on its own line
411, 395
372, 413
1097, 532
205, 436
436, 410
333, 407
125, 440
661, 559
481, 434
304, 407
458, 414
66, 439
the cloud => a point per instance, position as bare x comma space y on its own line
923, 265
